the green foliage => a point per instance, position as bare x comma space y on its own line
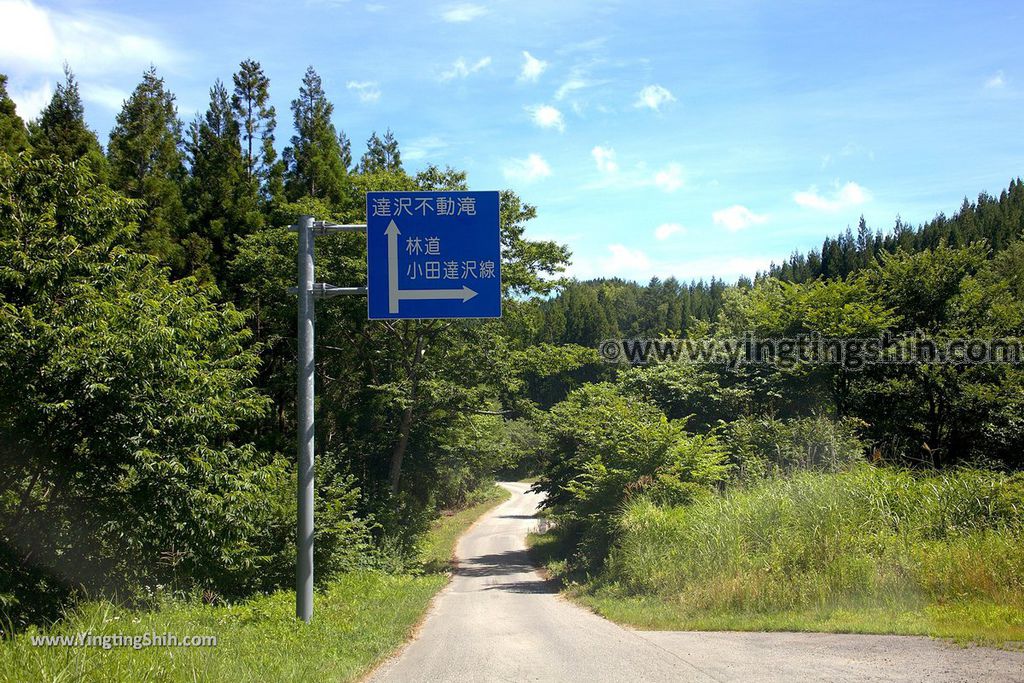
13, 134
950, 412
146, 163
523, 448
61, 130
250, 103
686, 391
315, 167
867, 539
435, 179
830, 308
588, 312
222, 198
381, 155
922, 287
122, 397
997, 221
765, 447
606, 447
362, 616
544, 374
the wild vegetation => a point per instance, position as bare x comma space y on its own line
147, 372
147, 364
875, 497
362, 617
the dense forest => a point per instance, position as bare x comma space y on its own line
147, 359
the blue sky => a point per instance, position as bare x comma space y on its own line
660, 138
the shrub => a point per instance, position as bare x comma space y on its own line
765, 446
122, 397
606, 447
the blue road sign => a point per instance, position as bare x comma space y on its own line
432, 255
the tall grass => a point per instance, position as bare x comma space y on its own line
870, 539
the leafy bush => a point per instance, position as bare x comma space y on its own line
684, 390
522, 447
122, 395
765, 446
606, 447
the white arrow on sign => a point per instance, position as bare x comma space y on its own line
395, 294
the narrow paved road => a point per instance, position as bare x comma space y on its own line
499, 620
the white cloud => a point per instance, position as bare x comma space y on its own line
618, 177
604, 157
666, 230
624, 259
29, 103
635, 264
570, 86
653, 96
996, 80
737, 217
457, 14
849, 195
527, 170
461, 69
37, 40
375, 7
368, 91
670, 178
107, 96
547, 116
532, 67
421, 148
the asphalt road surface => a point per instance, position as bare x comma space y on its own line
499, 620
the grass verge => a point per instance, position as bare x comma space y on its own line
361, 618
873, 550
439, 545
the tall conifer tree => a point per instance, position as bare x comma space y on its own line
61, 131
146, 163
258, 120
222, 199
13, 135
314, 158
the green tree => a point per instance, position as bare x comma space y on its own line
61, 130
251, 104
314, 159
223, 201
146, 163
381, 155
345, 145
122, 401
604, 447
13, 134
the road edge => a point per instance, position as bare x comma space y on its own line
417, 627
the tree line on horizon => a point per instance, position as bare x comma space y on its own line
603, 308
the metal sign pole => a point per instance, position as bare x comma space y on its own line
304, 534
459, 230
309, 291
